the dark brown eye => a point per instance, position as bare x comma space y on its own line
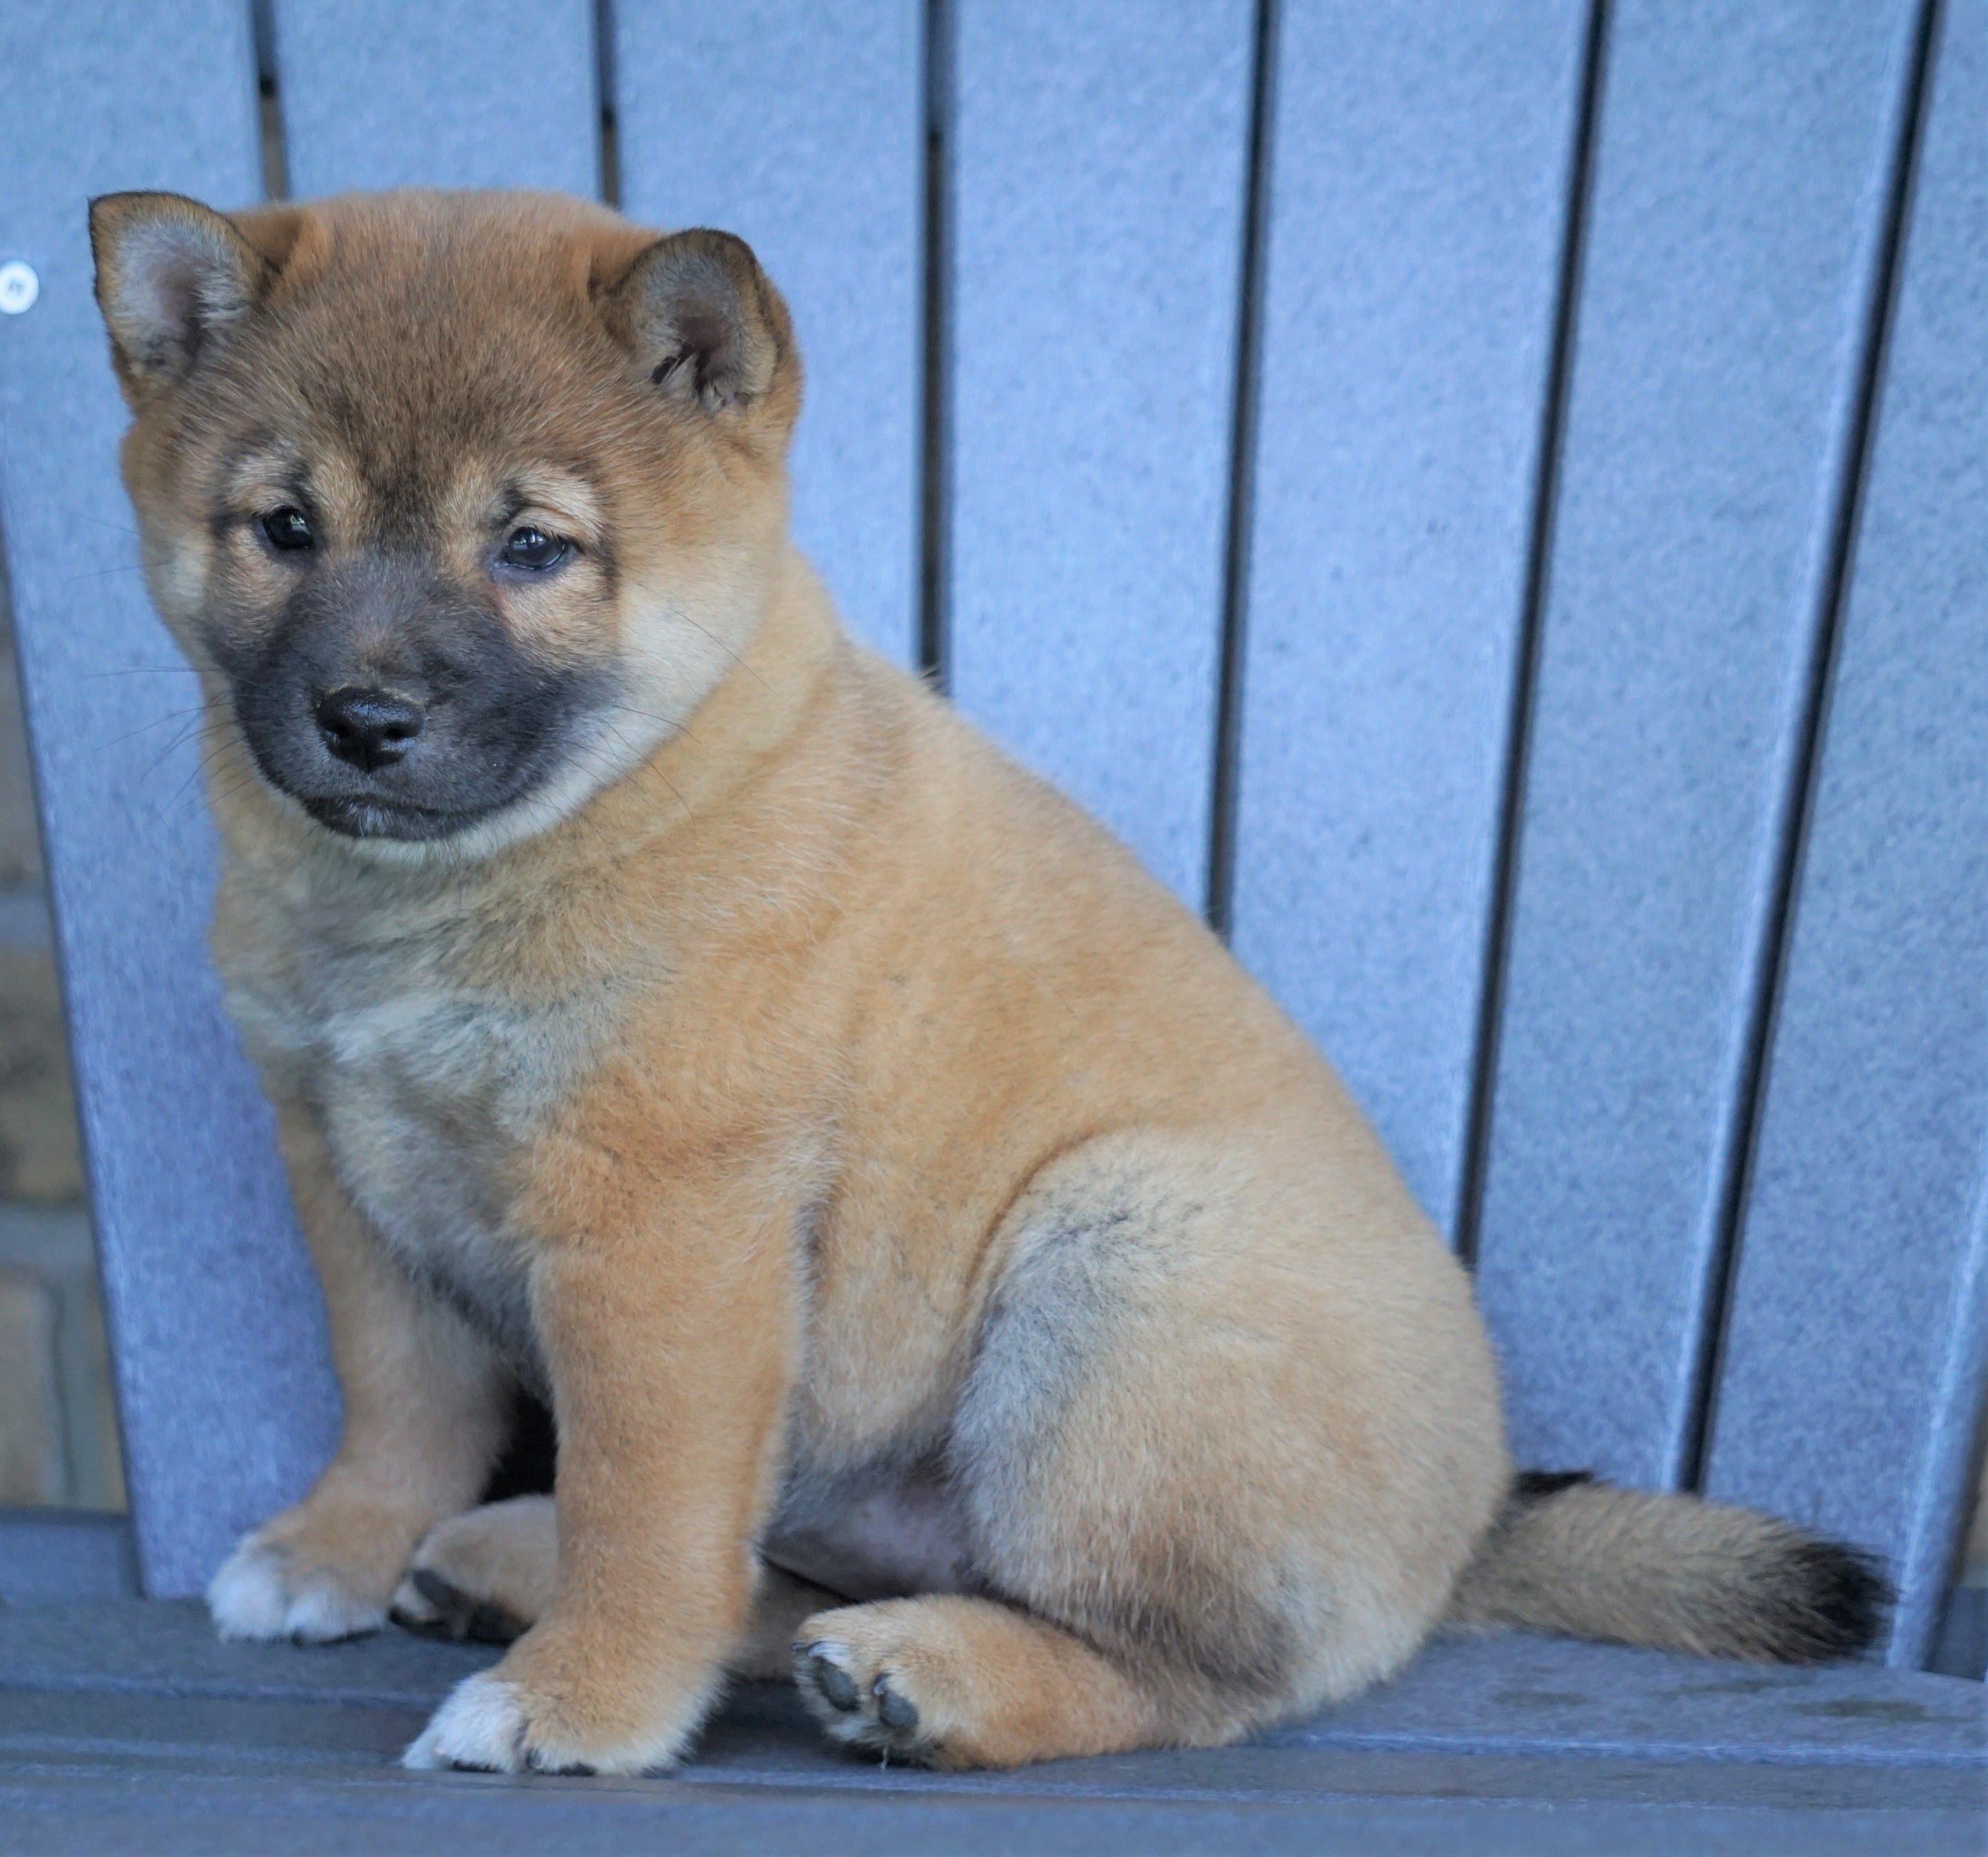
288, 529
532, 548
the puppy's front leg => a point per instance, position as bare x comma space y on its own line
670, 1360
425, 1409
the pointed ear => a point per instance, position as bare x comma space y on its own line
698, 314
171, 276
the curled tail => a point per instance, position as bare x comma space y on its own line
1572, 1555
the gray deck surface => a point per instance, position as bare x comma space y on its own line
127, 1727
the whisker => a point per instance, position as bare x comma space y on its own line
147, 670
117, 528
171, 715
208, 759
171, 748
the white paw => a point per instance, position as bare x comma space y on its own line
501, 1725
258, 1593
481, 1723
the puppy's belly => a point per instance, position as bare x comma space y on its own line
879, 1533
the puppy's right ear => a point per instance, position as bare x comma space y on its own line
172, 276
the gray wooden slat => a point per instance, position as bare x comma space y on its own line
1417, 187
799, 125
1737, 213
1099, 162
47, 1555
1845, 1735
438, 93
1858, 1333
215, 1321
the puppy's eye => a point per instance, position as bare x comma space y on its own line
289, 528
532, 548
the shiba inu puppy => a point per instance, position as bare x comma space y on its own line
953, 1281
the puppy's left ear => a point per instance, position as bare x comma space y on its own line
699, 315
172, 277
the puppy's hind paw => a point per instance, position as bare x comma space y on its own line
489, 1574
859, 1706
427, 1603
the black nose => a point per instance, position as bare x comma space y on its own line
370, 728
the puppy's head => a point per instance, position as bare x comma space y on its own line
463, 502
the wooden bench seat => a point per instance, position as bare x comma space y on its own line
133, 1719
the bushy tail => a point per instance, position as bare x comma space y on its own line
1673, 1572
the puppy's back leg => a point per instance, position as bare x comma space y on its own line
1221, 1451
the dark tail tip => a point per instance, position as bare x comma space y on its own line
1537, 1486
1679, 1572
1829, 1603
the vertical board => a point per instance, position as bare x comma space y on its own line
1737, 210
1857, 1336
439, 93
1418, 191
799, 125
216, 1325
1098, 172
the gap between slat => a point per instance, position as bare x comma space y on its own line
1224, 796
1803, 769
274, 148
1525, 673
934, 538
608, 165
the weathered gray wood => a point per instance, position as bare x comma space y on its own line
128, 1727
799, 125
1858, 1334
439, 93
1516, 1695
1733, 252
215, 1321
1099, 158
49, 1554
1418, 183
182, 1804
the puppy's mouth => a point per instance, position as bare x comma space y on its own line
460, 767
445, 787
362, 817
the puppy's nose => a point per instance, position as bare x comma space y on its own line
370, 728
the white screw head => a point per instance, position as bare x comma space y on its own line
19, 287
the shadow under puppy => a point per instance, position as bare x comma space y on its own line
938, 1254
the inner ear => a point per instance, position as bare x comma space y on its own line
698, 314
172, 277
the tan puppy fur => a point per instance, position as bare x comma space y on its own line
912, 1214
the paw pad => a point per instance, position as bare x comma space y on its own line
878, 1715
834, 1682
899, 1712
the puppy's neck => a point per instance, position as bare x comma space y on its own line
759, 709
